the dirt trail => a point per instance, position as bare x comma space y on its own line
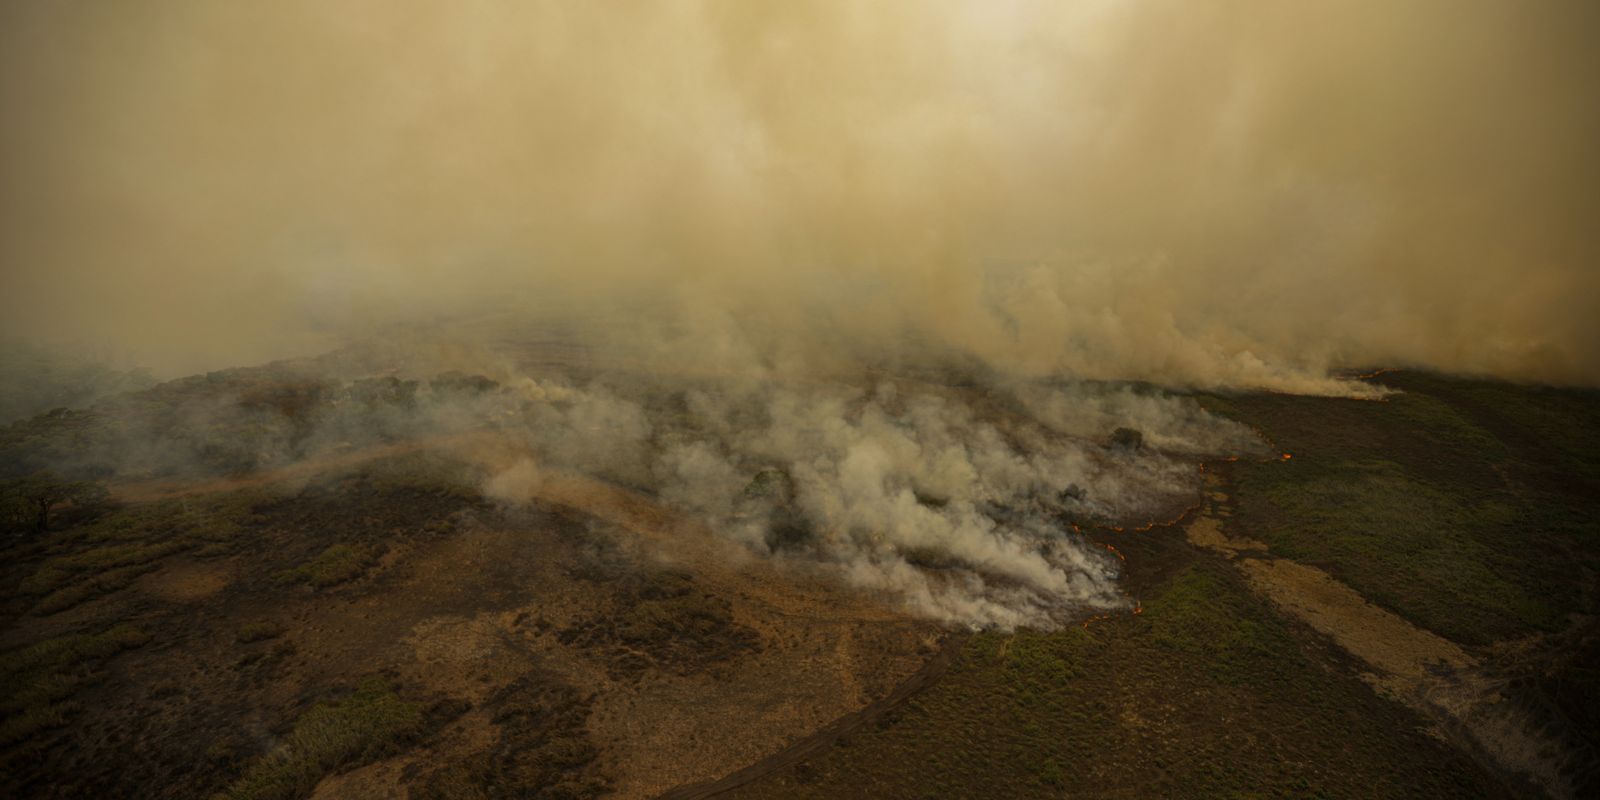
1425, 671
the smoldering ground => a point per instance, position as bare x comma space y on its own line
956, 502
953, 497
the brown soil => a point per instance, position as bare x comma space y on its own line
480, 612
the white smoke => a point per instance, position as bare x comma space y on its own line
957, 502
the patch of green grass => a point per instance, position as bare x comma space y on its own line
333, 566
107, 553
211, 518
89, 588
1560, 427
258, 632
1445, 425
1208, 693
41, 677
1444, 504
360, 727
428, 473
117, 555
56, 573
1458, 565
1199, 617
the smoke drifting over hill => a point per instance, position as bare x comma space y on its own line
743, 225
1222, 194
958, 508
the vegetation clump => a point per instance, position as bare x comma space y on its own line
259, 631
463, 384
26, 503
665, 620
335, 565
1456, 504
360, 727
1207, 693
42, 677
542, 751
1127, 439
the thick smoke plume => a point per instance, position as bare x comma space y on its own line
855, 283
1227, 193
957, 505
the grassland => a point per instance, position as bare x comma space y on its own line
1208, 693
368, 723
542, 751
335, 565
1470, 508
86, 713
43, 678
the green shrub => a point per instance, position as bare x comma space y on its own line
357, 728
333, 566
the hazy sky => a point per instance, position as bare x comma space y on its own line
1237, 193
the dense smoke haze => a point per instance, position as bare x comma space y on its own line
1232, 193
957, 506
865, 286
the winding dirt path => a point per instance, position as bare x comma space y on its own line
1417, 667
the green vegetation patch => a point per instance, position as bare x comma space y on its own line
101, 556
1553, 428
424, 473
1461, 565
1200, 618
1453, 503
1208, 693
39, 678
259, 631
333, 566
91, 587
361, 727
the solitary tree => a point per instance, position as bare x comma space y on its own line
25, 503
